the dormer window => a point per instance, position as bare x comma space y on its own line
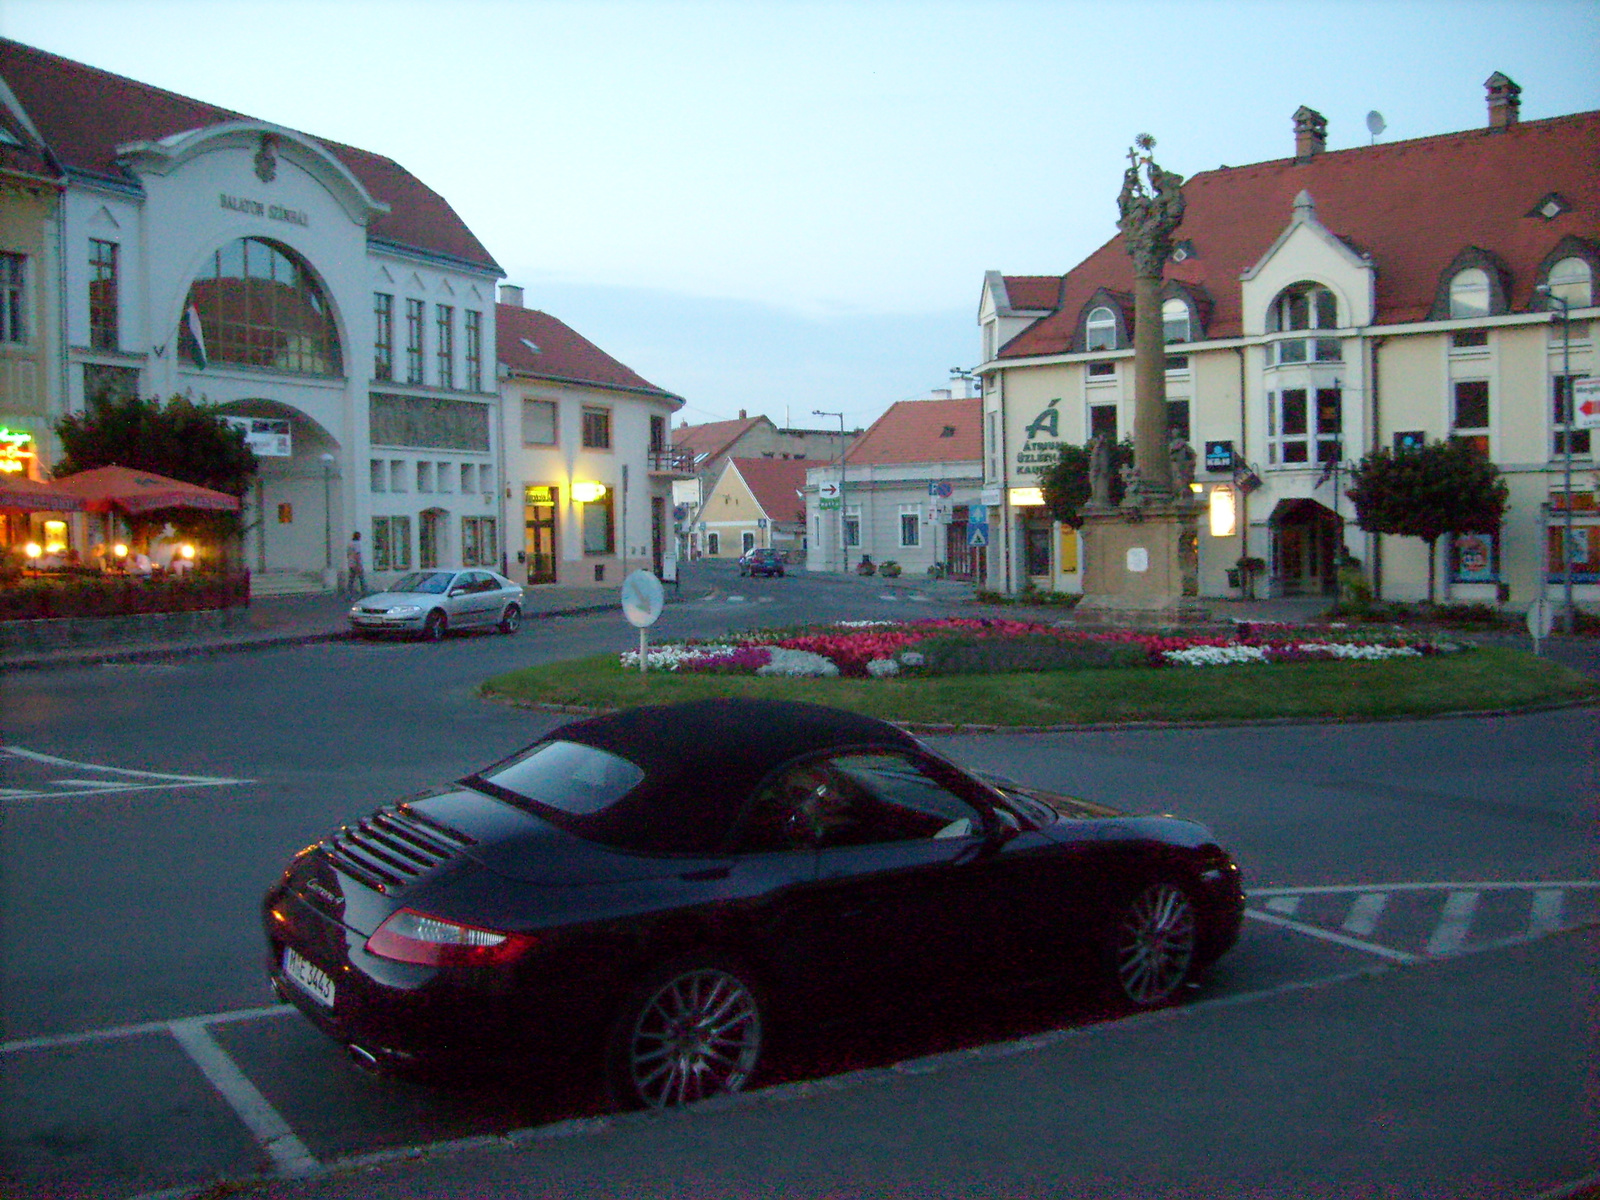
1175, 320
1572, 280
1100, 330
1469, 293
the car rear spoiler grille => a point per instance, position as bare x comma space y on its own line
393, 847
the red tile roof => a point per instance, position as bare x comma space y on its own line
713, 439
913, 431
1033, 291
1412, 206
776, 484
562, 353
84, 114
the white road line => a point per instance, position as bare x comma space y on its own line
144, 1028
1546, 914
1478, 886
287, 1151
1327, 935
1364, 914
1284, 906
202, 780
1451, 932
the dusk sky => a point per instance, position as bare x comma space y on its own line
782, 207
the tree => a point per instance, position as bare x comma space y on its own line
178, 439
1428, 491
1065, 482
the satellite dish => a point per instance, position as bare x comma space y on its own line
1375, 124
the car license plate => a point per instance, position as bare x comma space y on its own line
308, 977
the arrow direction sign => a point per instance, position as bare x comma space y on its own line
1586, 403
829, 491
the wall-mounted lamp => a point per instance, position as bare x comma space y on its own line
589, 492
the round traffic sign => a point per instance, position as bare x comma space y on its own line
642, 598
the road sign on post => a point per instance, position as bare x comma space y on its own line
1586, 403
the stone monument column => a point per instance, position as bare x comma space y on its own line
1140, 560
1150, 207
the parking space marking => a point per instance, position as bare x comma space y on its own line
288, 1153
118, 779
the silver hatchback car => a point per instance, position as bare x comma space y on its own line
429, 604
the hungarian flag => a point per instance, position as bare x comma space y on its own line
191, 321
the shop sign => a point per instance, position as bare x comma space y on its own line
1219, 456
16, 448
254, 208
1586, 404
1041, 441
269, 437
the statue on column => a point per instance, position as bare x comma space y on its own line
1151, 207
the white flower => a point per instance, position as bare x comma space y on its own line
797, 663
1215, 656
1347, 650
913, 658
881, 668
671, 656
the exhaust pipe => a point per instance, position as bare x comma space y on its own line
362, 1057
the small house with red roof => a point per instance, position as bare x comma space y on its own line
907, 489
1316, 308
755, 503
589, 465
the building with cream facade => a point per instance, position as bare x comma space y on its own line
1316, 308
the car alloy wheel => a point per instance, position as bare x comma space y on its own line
691, 1032
511, 619
1153, 945
433, 628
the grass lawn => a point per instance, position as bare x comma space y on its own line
1479, 680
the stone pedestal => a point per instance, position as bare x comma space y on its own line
1140, 565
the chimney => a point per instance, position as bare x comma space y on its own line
741, 415
511, 295
1504, 101
1310, 133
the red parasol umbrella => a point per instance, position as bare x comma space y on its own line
105, 488
21, 494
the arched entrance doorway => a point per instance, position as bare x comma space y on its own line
1306, 537
293, 515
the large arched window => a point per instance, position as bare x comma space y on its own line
1100, 330
1572, 280
1304, 306
1469, 293
260, 306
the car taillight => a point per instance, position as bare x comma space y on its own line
410, 936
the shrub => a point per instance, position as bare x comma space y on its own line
965, 655
119, 596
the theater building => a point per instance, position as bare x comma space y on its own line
321, 294
1317, 307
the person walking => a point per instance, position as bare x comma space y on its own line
355, 574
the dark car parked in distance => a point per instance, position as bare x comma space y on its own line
761, 562
662, 888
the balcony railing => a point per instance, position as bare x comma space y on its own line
672, 462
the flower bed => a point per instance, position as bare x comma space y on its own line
93, 596
882, 649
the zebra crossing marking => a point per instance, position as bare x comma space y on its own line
1360, 924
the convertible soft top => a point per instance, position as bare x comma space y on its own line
703, 759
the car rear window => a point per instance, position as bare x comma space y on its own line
566, 776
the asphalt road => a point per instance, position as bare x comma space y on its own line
146, 806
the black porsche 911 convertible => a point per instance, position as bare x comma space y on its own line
662, 887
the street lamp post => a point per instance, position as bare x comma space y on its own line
844, 550
1566, 452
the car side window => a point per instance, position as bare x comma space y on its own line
854, 800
